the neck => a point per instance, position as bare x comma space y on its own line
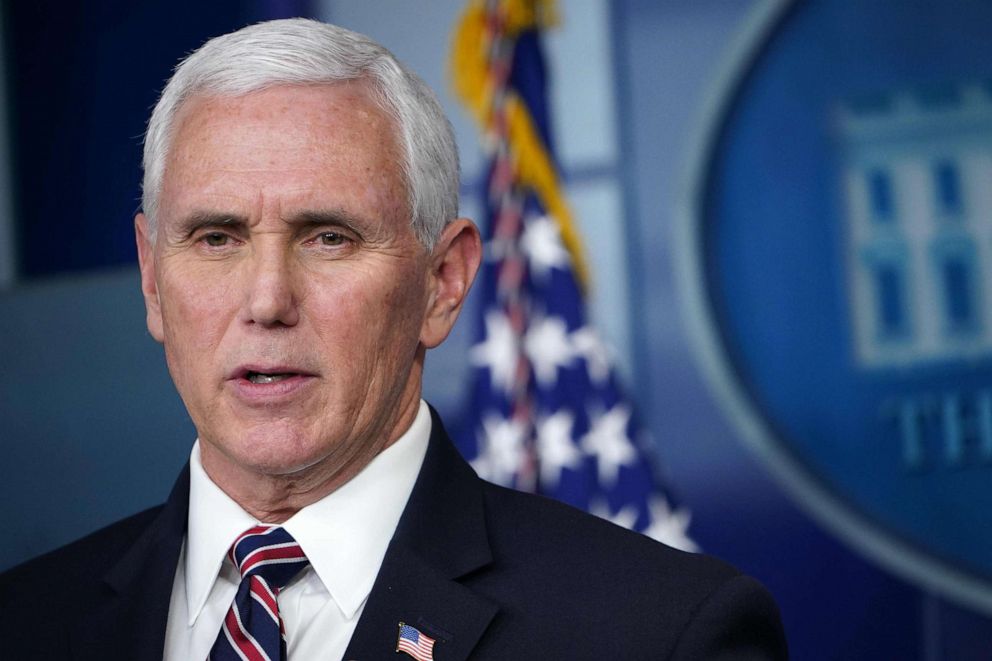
273, 496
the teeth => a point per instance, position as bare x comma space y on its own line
256, 377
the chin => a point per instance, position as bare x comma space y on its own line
268, 451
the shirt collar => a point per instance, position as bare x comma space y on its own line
344, 535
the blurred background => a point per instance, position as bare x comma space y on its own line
787, 213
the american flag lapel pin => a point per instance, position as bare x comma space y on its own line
418, 645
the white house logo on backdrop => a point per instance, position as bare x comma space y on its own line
837, 267
917, 184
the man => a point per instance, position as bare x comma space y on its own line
299, 253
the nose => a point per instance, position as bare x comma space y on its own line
272, 299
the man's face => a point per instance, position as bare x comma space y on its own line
285, 280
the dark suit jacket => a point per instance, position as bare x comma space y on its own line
489, 572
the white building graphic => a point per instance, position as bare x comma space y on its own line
917, 194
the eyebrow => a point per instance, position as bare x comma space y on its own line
201, 219
329, 217
198, 220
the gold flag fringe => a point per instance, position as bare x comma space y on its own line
469, 73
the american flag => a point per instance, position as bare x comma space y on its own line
415, 643
547, 413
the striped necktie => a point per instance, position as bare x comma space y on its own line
268, 558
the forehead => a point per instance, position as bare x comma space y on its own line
284, 141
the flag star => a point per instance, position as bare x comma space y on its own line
501, 453
589, 346
625, 517
608, 441
541, 242
548, 348
556, 448
499, 351
670, 526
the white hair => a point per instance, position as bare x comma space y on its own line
300, 51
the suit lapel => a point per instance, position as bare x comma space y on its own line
127, 620
441, 537
409, 590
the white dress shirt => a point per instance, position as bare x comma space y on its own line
344, 535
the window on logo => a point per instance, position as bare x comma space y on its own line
958, 297
880, 195
947, 185
890, 300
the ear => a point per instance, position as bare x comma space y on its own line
149, 286
453, 265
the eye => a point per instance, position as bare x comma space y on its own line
215, 239
331, 239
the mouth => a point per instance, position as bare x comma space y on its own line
267, 374
269, 377
270, 384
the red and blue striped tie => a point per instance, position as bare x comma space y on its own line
268, 558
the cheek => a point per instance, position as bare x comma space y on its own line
403, 304
369, 315
195, 310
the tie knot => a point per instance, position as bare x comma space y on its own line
270, 553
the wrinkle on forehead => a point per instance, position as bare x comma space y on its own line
218, 141
201, 114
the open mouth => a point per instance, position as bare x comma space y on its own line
264, 377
